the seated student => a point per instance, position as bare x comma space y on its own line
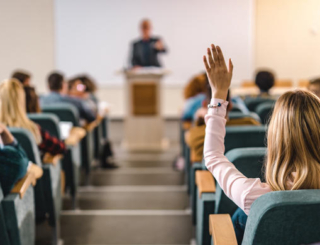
23, 77
195, 136
13, 114
265, 81
314, 87
293, 156
77, 89
56, 81
195, 94
91, 87
14, 163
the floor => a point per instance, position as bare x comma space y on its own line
142, 202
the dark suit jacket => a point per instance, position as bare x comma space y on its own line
138, 59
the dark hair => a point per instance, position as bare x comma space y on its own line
21, 76
32, 100
55, 81
264, 80
91, 86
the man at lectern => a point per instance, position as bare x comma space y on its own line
145, 51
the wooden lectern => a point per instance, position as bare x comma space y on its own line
144, 122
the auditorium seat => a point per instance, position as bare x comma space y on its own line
69, 113
249, 161
244, 136
48, 188
264, 110
252, 103
71, 161
239, 114
17, 217
236, 137
279, 217
235, 108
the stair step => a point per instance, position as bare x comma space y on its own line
126, 227
145, 164
136, 176
127, 197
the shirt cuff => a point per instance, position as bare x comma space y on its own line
221, 110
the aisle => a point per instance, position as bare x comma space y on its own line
143, 202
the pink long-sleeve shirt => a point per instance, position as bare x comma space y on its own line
242, 190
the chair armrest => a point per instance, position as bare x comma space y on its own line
50, 159
75, 136
221, 229
91, 126
22, 185
205, 182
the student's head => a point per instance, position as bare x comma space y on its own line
145, 27
197, 85
314, 87
32, 100
76, 87
55, 82
22, 76
264, 80
91, 86
293, 142
13, 107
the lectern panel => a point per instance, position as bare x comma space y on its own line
144, 99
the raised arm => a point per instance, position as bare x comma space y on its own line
241, 190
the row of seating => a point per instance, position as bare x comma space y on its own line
211, 208
278, 83
32, 202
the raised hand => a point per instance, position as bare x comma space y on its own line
218, 74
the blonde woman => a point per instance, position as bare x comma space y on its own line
13, 114
293, 160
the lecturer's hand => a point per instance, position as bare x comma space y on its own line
218, 74
159, 45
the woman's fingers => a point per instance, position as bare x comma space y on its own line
211, 61
206, 63
221, 58
215, 53
230, 66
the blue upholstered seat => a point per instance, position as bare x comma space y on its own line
249, 161
17, 218
252, 103
264, 110
69, 113
48, 188
71, 162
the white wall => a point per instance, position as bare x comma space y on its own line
94, 35
27, 38
288, 37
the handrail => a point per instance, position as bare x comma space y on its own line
51, 159
22, 185
205, 182
75, 136
221, 229
91, 126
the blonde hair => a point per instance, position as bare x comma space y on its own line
13, 108
293, 159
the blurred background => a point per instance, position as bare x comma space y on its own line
94, 36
